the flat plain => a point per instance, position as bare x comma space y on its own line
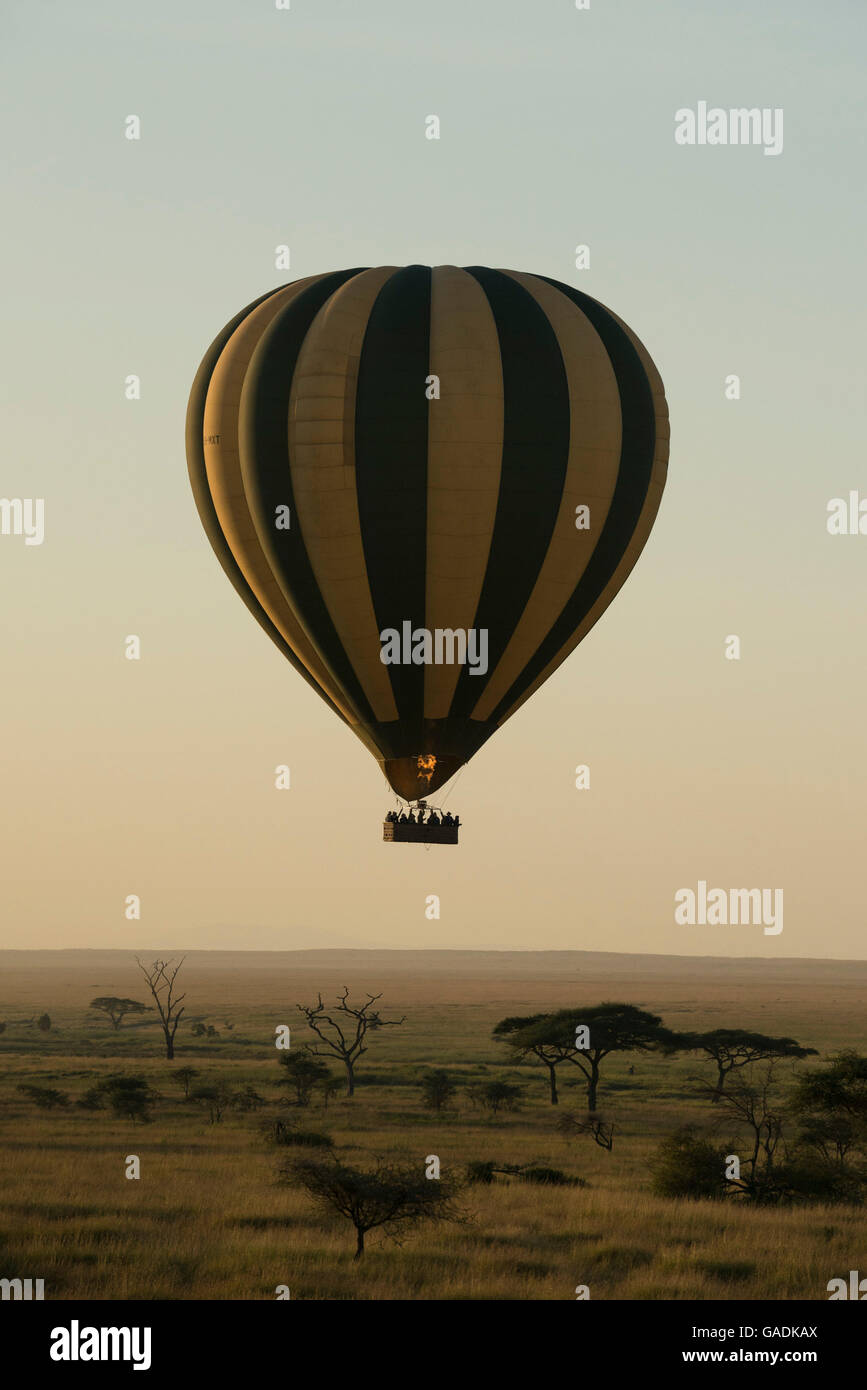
209, 1218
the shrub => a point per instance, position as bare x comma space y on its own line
550, 1177
808, 1179
214, 1099
496, 1096
129, 1097
45, 1097
480, 1172
247, 1098
438, 1087
303, 1072
688, 1165
286, 1134
483, 1172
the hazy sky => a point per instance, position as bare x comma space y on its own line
306, 127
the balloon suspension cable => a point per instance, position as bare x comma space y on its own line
454, 784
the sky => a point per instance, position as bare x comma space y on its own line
306, 127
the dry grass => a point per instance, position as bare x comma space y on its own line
209, 1219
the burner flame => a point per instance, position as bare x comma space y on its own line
426, 765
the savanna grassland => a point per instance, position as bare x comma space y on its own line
208, 1217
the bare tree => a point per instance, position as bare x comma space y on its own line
344, 1036
601, 1129
751, 1101
160, 980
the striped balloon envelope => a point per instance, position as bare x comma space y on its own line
427, 485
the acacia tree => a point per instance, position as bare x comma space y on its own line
160, 980
521, 1034
833, 1103
437, 1087
838, 1088
343, 1032
212, 1098
304, 1073
129, 1097
118, 1008
184, 1077
392, 1196
732, 1048
611, 1027
614, 1028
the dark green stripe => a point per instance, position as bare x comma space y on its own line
263, 431
535, 458
630, 492
391, 441
204, 503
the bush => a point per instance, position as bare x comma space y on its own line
303, 1073
550, 1177
129, 1097
438, 1087
93, 1099
43, 1023
247, 1098
688, 1165
480, 1172
483, 1172
45, 1097
214, 1099
286, 1134
808, 1180
496, 1096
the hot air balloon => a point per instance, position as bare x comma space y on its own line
427, 485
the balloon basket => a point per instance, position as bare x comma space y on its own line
420, 831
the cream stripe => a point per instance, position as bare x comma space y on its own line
465, 458
591, 475
659, 470
223, 468
322, 463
